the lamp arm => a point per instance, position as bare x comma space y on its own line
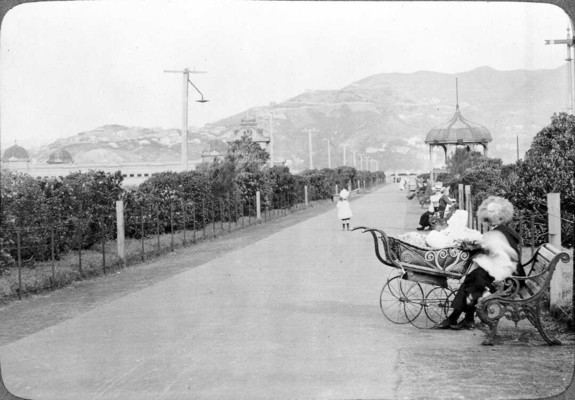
198, 90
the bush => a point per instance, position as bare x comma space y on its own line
548, 168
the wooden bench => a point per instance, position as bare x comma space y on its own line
519, 298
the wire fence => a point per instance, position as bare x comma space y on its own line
41, 258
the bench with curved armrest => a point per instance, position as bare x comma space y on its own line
518, 298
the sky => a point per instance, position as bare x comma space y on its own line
69, 67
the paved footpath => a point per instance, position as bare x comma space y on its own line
294, 315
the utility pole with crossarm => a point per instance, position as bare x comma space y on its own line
186, 80
570, 42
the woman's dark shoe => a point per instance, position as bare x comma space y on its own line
463, 325
445, 324
420, 228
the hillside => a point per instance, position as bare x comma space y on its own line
386, 116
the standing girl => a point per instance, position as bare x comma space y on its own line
344, 209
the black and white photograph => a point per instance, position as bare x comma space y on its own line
288, 200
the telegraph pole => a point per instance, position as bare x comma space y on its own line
271, 138
344, 158
570, 72
309, 131
185, 80
328, 154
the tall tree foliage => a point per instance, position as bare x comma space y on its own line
247, 155
549, 167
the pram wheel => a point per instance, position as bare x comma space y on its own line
400, 300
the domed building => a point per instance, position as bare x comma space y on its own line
458, 132
16, 153
60, 156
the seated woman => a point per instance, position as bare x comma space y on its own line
434, 199
498, 259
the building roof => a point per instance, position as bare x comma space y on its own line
249, 128
60, 156
16, 153
458, 130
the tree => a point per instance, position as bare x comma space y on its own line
462, 159
247, 155
548, 168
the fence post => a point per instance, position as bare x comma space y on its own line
184, 216
213, 218
52, 242
19, 259
222, 215
554, 218
554, 223
158, 229
229, 206
258, 206
194, 221
467, 189
103, 228
460, 199
80, 248
204, 222
120, 234
306, 200
142, 233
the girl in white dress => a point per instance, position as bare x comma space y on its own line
344, 209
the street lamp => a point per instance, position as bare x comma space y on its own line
186, 80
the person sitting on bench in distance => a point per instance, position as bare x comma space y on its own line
498, 259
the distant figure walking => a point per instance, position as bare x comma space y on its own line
344, 209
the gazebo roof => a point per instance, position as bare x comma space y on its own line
16, 152
458, 130
60, 156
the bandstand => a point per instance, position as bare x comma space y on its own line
457, 132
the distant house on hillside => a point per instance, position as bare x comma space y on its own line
249, 128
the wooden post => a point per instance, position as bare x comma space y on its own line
102, 227
467, 189
554, 218
142, 230
172, 225
19, 261
306, 196
258, 206
121, 242
184, 216
460, 199
53, 246
554, 223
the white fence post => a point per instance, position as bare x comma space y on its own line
258, 206
305, 196
467, 189
121, 241
554, 226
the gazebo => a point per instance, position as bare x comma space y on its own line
457, 132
